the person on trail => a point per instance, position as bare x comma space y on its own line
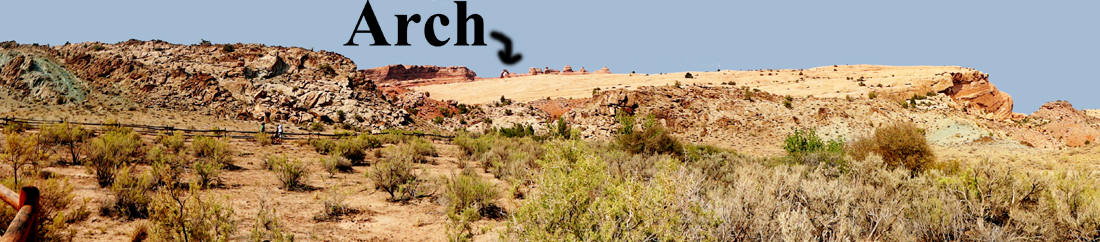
279, 131
263, 127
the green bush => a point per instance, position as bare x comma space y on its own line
227, 48
395, 177
67, 135
510, 159
334, 164
262, 138
289, 171
207, 172
470, 199
132, 195
437, 120
805, 141
518, 130
174, 142
212, 149
107, 153
317, 127
578, 200
190, 216
688, 75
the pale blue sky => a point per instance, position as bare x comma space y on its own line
1036, 51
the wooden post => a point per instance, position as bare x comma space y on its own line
30, 196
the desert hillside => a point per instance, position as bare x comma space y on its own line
153, 141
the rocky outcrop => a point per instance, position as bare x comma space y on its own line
242, 81
1073, 127
567, 69
973, 91
603, 70
412, 75
27, 74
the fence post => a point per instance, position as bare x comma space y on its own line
30, 196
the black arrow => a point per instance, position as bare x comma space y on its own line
506, 54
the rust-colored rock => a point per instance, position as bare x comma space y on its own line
973, 90
1074, 127
603, 70
412, 75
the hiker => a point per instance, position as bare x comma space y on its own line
263, 127
279, 131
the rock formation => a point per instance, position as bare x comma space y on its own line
973, 90
603, 70
567, 69
1074, 127
412, 75
242, 81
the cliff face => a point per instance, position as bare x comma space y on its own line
408, 75
243, 81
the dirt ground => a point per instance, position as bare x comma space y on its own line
244, 190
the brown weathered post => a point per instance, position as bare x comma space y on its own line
30, 196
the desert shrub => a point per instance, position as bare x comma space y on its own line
415, 150
190, 216
354, 148
262, 138
21, 150
174, 142
131, 195
510, 159
517, 130
212, 149
167, 168
561, 129
227, 48
207, 172
316, 127
323, 146
67, 135
653, 140
290, 172
110, 151
579, 200
901, 144
688, 75
395, 177
333, 206
437, 120
470, 198
805, 141
872, 95
334, 164
267, 226
97, 47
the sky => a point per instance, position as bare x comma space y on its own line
1036, 51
